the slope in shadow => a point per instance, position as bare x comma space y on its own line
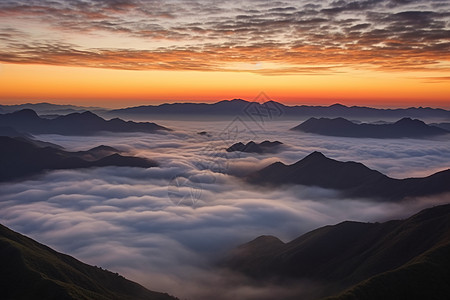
404, 128
350, 178
392, 254
31, 270
20, 158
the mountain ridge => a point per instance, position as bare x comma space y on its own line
78, 123
31, 270
349, 253
272, 110
352, 179
403, 128
21, 158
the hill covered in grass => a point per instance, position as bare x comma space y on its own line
30, 270
399, 259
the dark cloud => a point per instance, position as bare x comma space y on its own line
207, 35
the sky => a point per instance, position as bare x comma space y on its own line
115, 53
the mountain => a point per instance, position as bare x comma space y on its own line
270, 110
48, 108
225, 107
19, 158
85, 123
11, 132
401, 259
31, 270
350, 178
252, 147
445, 126
404, 128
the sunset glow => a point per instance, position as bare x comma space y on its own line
121, 53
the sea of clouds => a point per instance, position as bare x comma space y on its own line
166, 227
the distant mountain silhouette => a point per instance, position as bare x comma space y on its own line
11, 132
31, 270
445, 126
225, 107
252, 147
272, 110
404, 128
20, 158
48, 108
407, 259
85, 123
351, 178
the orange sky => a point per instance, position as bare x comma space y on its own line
116, 54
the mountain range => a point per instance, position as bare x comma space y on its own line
274, 110
350, 178
45, 108
252, 147
31, 270
404, 128
85, 123
19, 158
400, 259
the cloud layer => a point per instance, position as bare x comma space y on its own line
265, 37
165, 227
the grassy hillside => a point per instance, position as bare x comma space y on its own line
381, 260
30, 270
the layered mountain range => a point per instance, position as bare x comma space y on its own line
85, 123
352, 179
20, 158
399, 259
275, 110
404, 128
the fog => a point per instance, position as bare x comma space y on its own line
166, 227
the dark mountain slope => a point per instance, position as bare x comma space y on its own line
351, 178
426, 277
20, 158
348, 253
33, 271
85, 123
404, 128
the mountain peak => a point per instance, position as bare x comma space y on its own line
316, 155
265, 241
28, 113
338, 105
408, 121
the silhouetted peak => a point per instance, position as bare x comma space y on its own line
103, 148
338, 105
316, 155
233, 101
408, 121
264, 241
266, 143
26, 113
88, 114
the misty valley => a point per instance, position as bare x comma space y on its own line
235, 200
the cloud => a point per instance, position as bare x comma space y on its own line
289, 37
132, 221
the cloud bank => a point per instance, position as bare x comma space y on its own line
165, 227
